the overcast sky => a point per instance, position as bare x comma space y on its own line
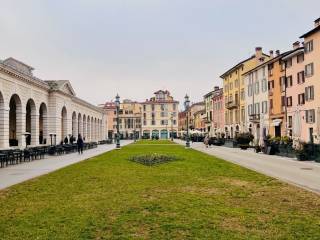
136, 47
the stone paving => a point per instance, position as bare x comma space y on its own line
303, 174
19, 173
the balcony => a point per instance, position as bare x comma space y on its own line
255, 118
232, 104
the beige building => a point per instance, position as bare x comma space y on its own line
109, 109
32, 110
234, 92
129, 119
208, 111
160, 116
193, 109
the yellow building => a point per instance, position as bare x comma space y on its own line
234, 92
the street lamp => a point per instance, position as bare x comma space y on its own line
172, 127
186, 106
118, 132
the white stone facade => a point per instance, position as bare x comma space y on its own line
257, 103
29, 105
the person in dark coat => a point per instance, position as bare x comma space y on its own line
80, 144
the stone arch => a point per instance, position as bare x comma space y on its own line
95, 129
89, 128
15, 121
74, 124
43, 124
31, 123
64, 123
92, 130
3, 135
80, 128
84, 127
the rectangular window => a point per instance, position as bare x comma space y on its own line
309, 70
270, 70
144, 107
301, 99
250, 109
300, 77
289, 81
257, 108
289, 101
300, 58
290, 121
289, 62
264, 86
256, 88
310, 116
309, 93
242, 95
283, 101
308, 46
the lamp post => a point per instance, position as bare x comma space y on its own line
186, 106
171, 126
118, 132
134, 128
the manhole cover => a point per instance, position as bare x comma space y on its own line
306, 168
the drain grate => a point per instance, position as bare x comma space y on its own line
306, 168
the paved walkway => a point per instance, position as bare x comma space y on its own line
19, 173
302, 174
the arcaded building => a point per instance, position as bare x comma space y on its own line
34, 110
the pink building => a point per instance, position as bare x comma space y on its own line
311, 109
295, 92
110, 111
217, 111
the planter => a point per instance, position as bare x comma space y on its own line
301, 156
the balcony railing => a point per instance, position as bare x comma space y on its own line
254, 118
232, 104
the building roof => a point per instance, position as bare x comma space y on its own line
276, 58
208, 94
294, 52
316, 29
240, 64
162, 91
61, 85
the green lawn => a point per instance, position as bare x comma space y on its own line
196, 197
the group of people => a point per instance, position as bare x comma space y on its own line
80, 142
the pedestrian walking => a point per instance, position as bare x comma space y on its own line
80, 144
206, 141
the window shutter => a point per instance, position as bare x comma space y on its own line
307, 116
312, 92
306, 94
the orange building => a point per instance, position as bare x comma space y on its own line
277, 83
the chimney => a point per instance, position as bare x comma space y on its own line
277, 52
258, 52
296, 45
317, 23
216, 88
271, 53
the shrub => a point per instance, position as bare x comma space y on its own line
152, 159
244, 138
